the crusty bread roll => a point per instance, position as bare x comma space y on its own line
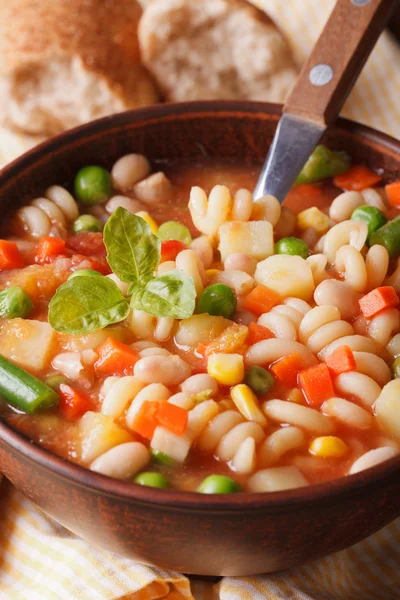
65, 62
12, 144
204, 49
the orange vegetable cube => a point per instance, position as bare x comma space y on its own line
73, 403
115, 358
287, 369
145, 421
174, 418
341, 360
48, 248
260, 300
316, 384
374, 302
393, 193
10, 257
257, 333
357, 178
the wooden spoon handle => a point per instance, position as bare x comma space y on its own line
337, 59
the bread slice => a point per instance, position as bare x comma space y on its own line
205, 49
12, 144
65, 62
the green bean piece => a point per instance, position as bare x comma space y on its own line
396, 368
173, 230
87, 272
389, 237
152, 479
93, 185
24, 391
54, 381
218, 300
324, 163
218, 484
15, 302
372, 216
161, 458
86, 223
259, 380
293, 246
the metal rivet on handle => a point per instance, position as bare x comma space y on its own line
321, 74
360, 2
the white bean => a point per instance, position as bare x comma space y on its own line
239, 281
122, 285
153, 189
383, 326
199, 383
123, 461
276, 479
266, 208
268, 351
298, 415
340, 295
244, 460
240, 262
128, 170
343, 206
123, 391
348, 413
242, 206
359, 385
183, 399
132, 206
280, 325
278, 443
372, 458
204, 250
168, 370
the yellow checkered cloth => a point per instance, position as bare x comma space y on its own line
40, 560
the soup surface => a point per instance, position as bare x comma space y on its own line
163, 328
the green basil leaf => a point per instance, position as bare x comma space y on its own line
170, 295
85, 303
133, 251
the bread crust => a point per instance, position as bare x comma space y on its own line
100, 35
210, 48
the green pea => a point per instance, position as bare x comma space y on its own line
293, 246
218, 484
54, 381
161, 458
86, 223
370, 215
15, 302
151, 479
389, 237
259, 380
173, 230
218, 300
87, 272
396, 368
92, 185
324, 163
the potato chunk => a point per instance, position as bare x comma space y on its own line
286, 275
253, 238
387, 408
28, 343
99, 434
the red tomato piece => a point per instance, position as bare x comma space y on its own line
89, 243
73, 403
170, 249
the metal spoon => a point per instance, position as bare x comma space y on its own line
323, 85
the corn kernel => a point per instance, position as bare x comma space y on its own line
149, 220
313, 217
212, 272
227, 369
295, 395
328, 446
246, 402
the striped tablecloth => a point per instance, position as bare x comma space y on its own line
40, 560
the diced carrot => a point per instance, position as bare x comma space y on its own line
48, 248
287, 369
10, 257
341, 360
145, 421
393, 193
73, 403
358, 177
174, 418
260, 300
374, 302
115, 358
316, 384
170, 249
257, 333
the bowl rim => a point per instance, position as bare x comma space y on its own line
175, 499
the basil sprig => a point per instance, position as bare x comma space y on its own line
84, 304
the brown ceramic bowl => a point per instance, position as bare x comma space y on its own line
209, 535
